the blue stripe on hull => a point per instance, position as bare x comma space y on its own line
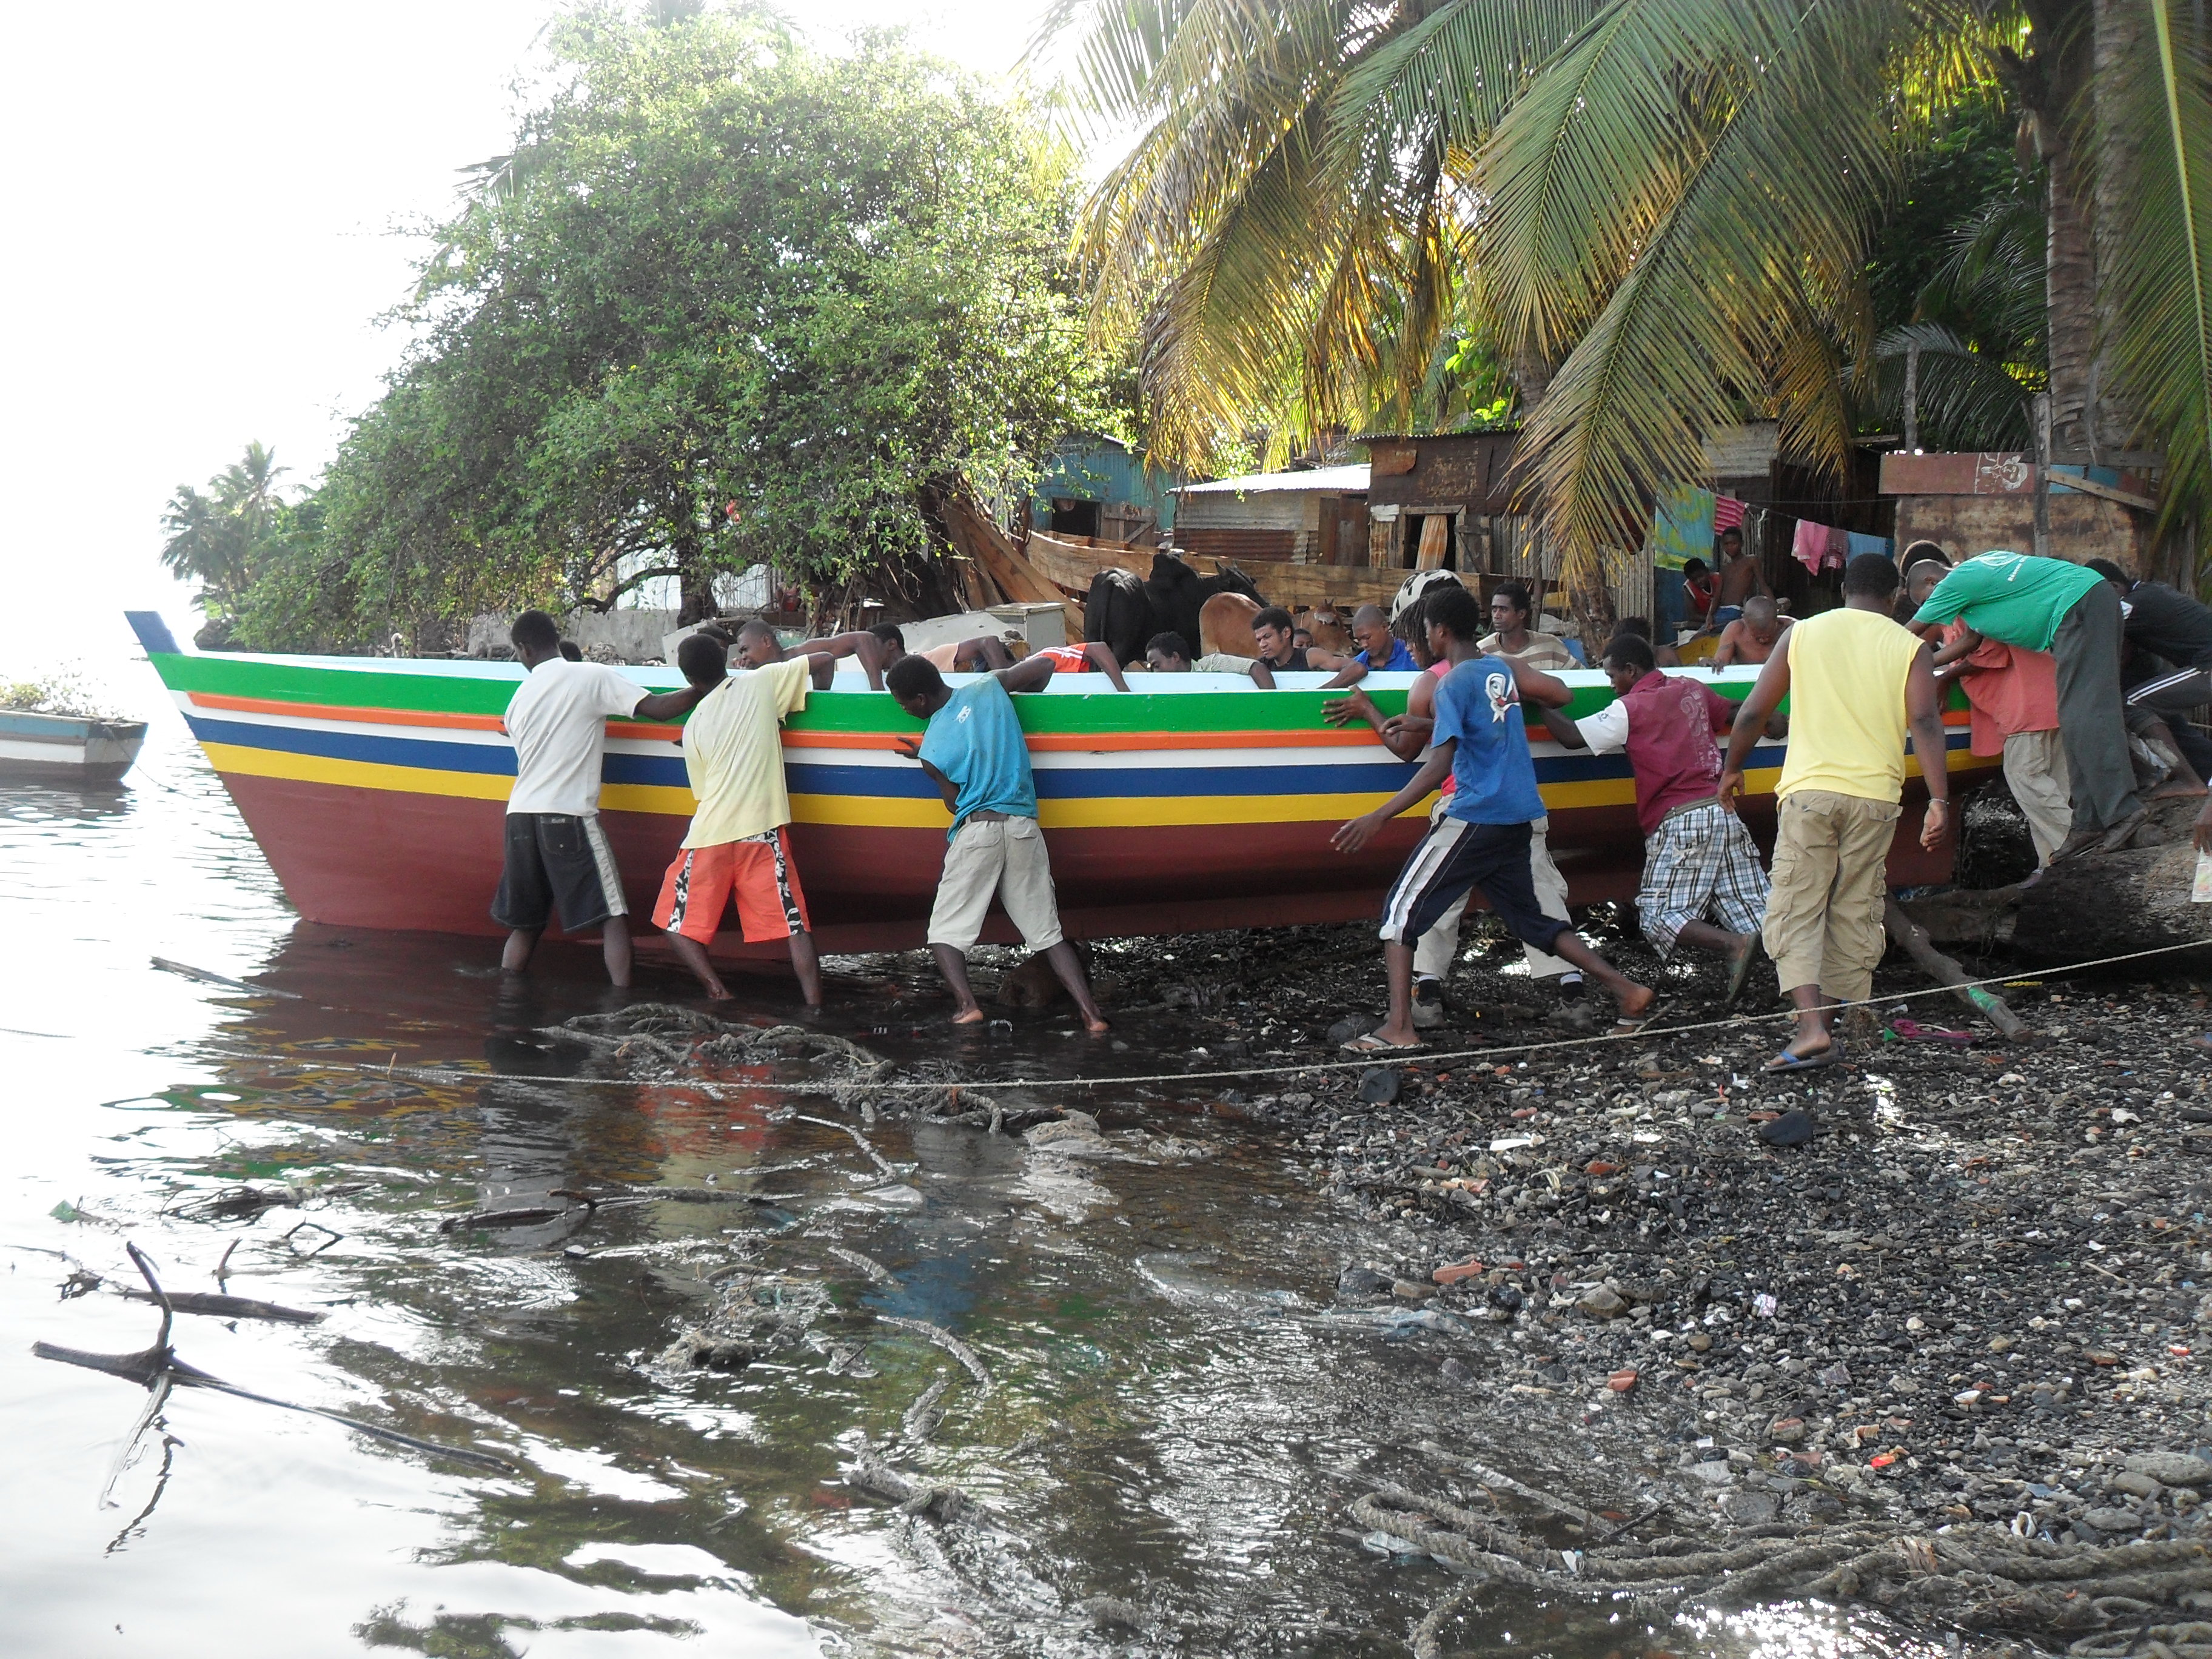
1291, 777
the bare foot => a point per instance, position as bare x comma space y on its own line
719, 994
2178, 789
1097, 1027
1636, 1003
969, 1017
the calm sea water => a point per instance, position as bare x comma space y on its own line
1175, 1419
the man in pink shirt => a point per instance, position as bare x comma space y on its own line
2013, 695
1698, 857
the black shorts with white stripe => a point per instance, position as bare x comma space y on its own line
1456, 856
554, 859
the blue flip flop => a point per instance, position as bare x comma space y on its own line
1786, 1061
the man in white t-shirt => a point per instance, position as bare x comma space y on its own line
556, 853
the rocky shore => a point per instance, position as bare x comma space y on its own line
1976, 1290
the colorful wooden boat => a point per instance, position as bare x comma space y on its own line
376, 788
67, 747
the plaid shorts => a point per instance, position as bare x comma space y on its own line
1698, 857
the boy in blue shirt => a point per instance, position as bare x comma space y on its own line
974, 752
1481, 841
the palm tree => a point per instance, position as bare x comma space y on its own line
1655, 211
220, 538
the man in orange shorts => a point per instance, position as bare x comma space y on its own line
739, 844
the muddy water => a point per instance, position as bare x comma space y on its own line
1178, 1410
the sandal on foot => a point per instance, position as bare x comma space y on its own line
1371, 1044
1626, 1025
1786, 1061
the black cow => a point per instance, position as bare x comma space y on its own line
1126, 611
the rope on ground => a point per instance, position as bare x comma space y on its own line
448, 1077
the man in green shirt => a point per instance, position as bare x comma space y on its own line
2071, 612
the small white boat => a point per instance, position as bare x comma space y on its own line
67, 747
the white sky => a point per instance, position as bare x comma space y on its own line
205, 203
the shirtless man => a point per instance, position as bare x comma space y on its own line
1751, 637
1740, 578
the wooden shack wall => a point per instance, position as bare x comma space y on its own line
2081, 526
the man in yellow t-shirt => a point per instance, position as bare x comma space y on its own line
1857, 683
739, 844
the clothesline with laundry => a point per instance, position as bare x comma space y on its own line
1685, 521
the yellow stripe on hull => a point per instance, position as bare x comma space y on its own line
905, 812
227, 758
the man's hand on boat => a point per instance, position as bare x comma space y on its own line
1351, 837
1359, 706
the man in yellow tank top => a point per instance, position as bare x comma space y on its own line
1857, 683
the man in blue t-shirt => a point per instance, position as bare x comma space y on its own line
1481, 841
974, 752
1380, 651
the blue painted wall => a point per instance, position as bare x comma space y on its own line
1091, 469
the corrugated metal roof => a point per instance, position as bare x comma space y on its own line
1417, 437
1334, 480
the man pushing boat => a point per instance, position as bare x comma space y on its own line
974, 751
738, 846
1482, 841
556, 852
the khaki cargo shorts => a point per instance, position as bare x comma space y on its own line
1005, 857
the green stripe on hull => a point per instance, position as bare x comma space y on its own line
1104, 712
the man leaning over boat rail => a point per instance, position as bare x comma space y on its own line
557, 855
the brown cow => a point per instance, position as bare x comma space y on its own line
1225, 625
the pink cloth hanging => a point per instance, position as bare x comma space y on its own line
1810, 544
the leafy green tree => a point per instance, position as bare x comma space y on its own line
728, 300
1660, 211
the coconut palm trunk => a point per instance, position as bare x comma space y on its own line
2121, 48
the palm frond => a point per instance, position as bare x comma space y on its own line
1964, 399
1709, 233
1451, 76
1990, 286
1118, 48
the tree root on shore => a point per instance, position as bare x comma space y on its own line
1970, 1576
663, 1040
